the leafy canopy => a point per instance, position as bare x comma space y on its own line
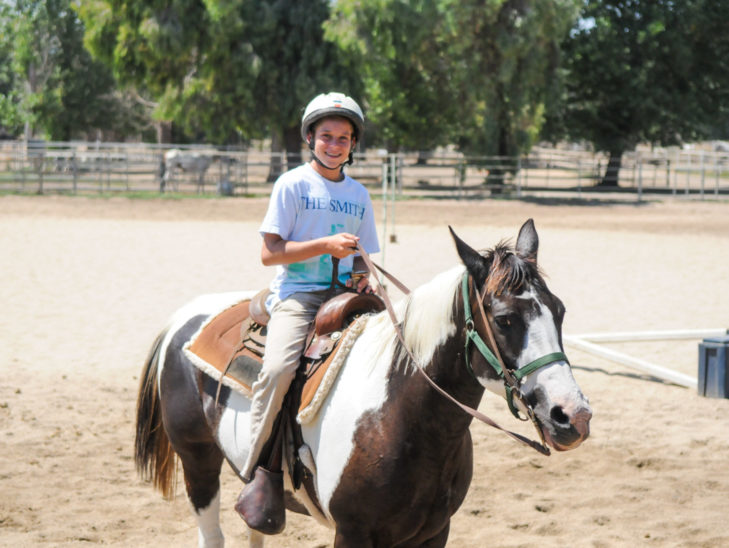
652, 71
220, 68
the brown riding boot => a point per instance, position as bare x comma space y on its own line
261, 502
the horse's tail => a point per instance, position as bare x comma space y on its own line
154, 457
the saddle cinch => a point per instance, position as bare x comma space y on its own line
233, 342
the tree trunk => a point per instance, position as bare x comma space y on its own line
423, 157
164, 132
612, 173
276, 167
292, 142
497, 175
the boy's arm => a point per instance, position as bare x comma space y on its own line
276, 250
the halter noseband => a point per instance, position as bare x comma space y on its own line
512, 379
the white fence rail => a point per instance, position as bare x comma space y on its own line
81, 167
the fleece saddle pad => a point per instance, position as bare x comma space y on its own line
217, 345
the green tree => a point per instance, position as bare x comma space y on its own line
653, 71
515, 54
58, 88
12, 115
468, 72
405, 66
222, 69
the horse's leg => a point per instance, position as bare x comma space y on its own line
352, 538
209, 533
358, 539
192, 438
439, 540
202, 461
201, 465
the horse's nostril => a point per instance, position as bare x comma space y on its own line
558, 415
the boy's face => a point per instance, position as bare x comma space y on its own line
333, 141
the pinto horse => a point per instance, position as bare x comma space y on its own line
392, 457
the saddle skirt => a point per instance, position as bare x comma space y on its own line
229, 346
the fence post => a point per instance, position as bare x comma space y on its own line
245, 172
579, 177
549, 169
74, 172
703, 173
668, 172
41, 167
640, 175
21, 162
384, 206
716, 174
393, 181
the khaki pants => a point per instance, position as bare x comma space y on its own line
287, 331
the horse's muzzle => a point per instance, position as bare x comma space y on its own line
568, 427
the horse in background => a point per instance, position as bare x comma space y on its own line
194, 163
391, 458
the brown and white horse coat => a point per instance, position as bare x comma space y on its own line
392, 457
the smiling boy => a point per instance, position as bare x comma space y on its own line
316, 212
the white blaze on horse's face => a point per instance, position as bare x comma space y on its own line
557, 399
527, 321
540, 337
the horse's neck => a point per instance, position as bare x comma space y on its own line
449, 370
434, 327
431, 415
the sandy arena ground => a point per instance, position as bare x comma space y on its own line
88, 282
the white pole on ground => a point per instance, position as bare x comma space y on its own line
635, 363
651, 335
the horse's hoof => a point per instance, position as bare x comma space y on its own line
261, 502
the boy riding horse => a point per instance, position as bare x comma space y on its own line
316, 212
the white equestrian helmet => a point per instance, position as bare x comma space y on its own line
332, 104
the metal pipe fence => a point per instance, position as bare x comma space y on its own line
107, 168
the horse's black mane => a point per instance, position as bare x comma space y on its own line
508, 272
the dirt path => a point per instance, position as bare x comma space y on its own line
87, 283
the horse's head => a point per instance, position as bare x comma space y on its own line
525, 321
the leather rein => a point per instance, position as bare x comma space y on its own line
511, 379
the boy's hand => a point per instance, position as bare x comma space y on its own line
342, 245
360, 279
360, 282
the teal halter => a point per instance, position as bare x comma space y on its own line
512, 379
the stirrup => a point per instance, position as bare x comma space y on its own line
261, 502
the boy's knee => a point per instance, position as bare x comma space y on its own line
279, 372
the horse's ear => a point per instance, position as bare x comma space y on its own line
527, 244
474, 261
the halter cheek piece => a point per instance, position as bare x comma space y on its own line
512, 379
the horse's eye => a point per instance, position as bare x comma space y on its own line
504, 322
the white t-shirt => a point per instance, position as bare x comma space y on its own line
305, 206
